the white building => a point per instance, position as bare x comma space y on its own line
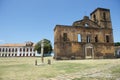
117, 51
14, 50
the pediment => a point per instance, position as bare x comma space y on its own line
86, 22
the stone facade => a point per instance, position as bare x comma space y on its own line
86, 38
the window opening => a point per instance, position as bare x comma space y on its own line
104, 16
27, 49
16, 50
24, 50
9, 55
79, 38
3, 50
94, 17
96, 38
88, 39
86, 25
65, 37
107, 38
6, 49
9, 50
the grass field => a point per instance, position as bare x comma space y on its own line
24, 69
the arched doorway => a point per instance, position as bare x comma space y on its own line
89, 51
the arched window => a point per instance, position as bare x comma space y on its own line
15, 54
23, 54
34, 54
96, 38
27, 49
64, 36
20, 49
86, 25
88, 39
107, 39
2, 55
9, 50
27, 54
94, 17
13, 50
6, 49
3, 50
24, 50
79, 38
9, 55
30, 49
16, 50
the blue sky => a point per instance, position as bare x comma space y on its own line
33, 20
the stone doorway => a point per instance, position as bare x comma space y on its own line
89, 52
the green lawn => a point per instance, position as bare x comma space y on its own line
24, 68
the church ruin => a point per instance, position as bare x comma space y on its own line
87, 38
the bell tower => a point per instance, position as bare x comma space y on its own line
101, 16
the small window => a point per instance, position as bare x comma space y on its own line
3, 50
27, 49
79, 38
13, 50
23, 54
20, 49
94, 17
88, 39
9, 50
107, 38
9, 55
27, 54
64, 36
24, 50
96, 38
34, 54
6, 49
16, 50
104, 16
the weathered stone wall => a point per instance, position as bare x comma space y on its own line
97, 35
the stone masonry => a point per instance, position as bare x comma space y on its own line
87, 38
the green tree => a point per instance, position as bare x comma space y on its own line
117, 44
47, 46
